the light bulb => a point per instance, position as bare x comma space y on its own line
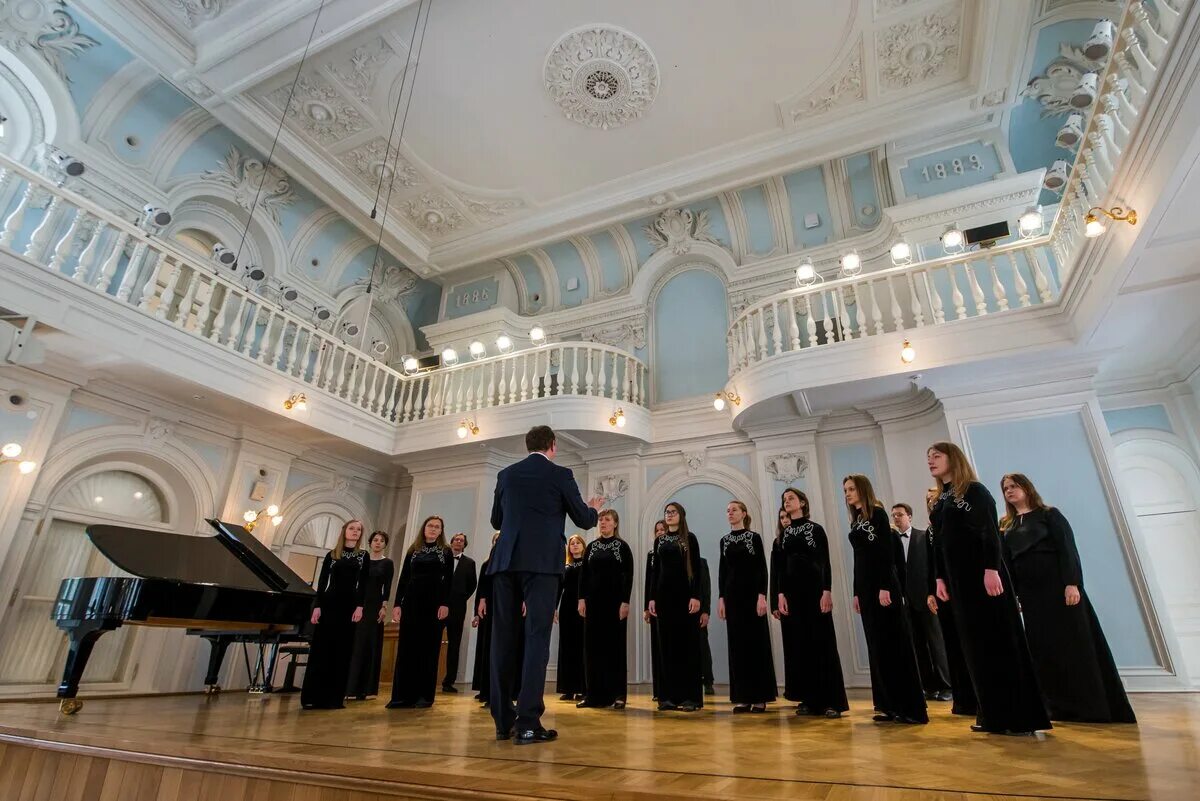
908, 353
449, 357
11, 451
503, 343
462, 431
137, 496
1093, 226
276, 520
1030, 223
537, 335
953, 241
300, 405
478, 349
250, 516
806, 273
411, 365
26, 467
901, 254
719, 402
272, 510
98, 499
851, 264
620, 419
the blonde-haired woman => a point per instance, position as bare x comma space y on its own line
605, 584
1074, 664
422, 603
742, 603
339, 606
879, 600
570, 673
960, 676
975, 582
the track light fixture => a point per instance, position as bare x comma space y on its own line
504, 343
70, 165
449, 357
806, 274
537, 335
478, 350
851, 264
901, 253
410, 363
1030, 223
954, 241
1093, 223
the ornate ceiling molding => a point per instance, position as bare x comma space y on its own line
845, 89
369, 163
250, 178
920, 49
196, 12
679, 229
434, 214
319, 109
601, 76
45, 27
489, 209
358, 69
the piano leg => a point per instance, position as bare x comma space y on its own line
82, 637
216, 657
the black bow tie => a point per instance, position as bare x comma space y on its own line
902, 534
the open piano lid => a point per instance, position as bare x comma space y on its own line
232, 558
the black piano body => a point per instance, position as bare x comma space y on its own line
225, 588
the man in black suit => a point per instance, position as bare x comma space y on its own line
462, 587
927, 632
532, 498
706, 666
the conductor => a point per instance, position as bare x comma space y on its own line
532, 496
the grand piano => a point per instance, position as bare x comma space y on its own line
225, 588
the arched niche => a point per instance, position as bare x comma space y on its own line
200, 211
313, 518
386, 322
688, 352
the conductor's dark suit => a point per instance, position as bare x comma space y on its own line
927, 632
532, 498
462, 587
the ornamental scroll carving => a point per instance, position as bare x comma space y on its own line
611, 487
787, 467
679, 229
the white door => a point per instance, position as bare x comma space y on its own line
1162, 483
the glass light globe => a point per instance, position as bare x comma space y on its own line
26, 467
806, 273
478, 349
250, 516
620, 419
953, 241
1030, 223
272, 510
276, 520
718, 403
449, 357
462, 431
908, 353
503, 343
1093, 226
11, 450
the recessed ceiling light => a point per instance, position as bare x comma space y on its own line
197, 397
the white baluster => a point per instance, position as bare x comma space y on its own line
1117, 130
491, 386
776, 329
876, 314
1106, 127
412, 386
997, 287
1135, 80
1169, 18
843, 310
602, 378
810, 325
793, 327
297, 357
918, 311
63, 249
897, 312
1155, 43
203, 313
264, 344
132, 268
860, 311
545, 389
280, 342
329, 348
976, 291
189, 298
421, 410
501, 398
1019, 285
575, 372
1039, 276
12, 225
293, 351
761, 314
40, 239
525, 375
238, 302
956, 295
150, 288
1128, 113
935, 299
827, 298
87, 258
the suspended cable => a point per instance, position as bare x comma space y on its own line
395, 114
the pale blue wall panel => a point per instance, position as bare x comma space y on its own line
758, 220
690, 320
807, 195
612, 266
569, 265
1153, 416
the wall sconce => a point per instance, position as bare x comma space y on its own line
10, 452
478, 350
465, 427
1030, 223
851, 264
297, 402
1093, 224
908, 353
252, 517
504, 343
806, 274
954, 241
537, 335
901, 254
725, 395
618, 418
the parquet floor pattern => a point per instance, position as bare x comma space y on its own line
263, 748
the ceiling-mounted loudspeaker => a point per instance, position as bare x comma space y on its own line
69, 164
321, 314
224, 255
351, 329
256, 273
156, 216
288, 294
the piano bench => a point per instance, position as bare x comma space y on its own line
295, 652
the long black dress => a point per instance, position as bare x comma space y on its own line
812, 670
655, 666
424, 585
570, 675
989, 628
481, 676
339, 591
368, 632
1074, 665
605, 582
741, 578
878, 560
673, 586
960, 676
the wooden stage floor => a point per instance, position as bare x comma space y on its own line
263, 748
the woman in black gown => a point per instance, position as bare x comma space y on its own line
1074, 665
339, 606
975, 581
569, 671
675, 601
960, 677
802, 602
368, 632
742, 603
660, 528
422, 603
481, 675
879, 599
605, 584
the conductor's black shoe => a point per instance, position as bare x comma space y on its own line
400, 705
689, 706
531, 736
504, 735
944, 695
666, 706
977, 727
567, 697
449, 688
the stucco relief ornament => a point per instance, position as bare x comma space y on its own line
694, 461
1055, 88
601, 76
679, 229
246, 174
787, 467
434, 214
847, 88
487, 209
373, 161
391, 283
625, 335
195, 12
919, 50
45, 27
611, 487
158, 430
